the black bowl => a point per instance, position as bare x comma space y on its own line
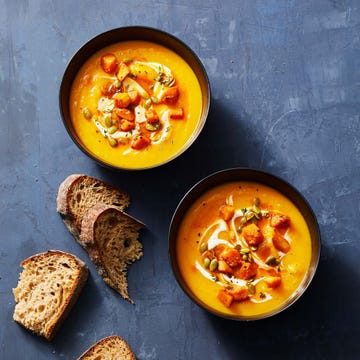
126, 34
251, 175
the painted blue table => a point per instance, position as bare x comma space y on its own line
285, 80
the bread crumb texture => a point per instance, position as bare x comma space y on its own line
109, 348
79, 192
111, 239
48, 287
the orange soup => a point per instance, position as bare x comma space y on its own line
243, 248
135, 104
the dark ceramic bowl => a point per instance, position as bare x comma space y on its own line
249, 175
126, 34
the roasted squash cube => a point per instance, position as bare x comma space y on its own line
225, 297
272, 281
247, 270
279, 221
123, 71
224, 267
231, 256
227, 212
280, 243
109, 63
253, 235
122, 100
239, 293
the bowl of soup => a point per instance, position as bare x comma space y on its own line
134, 98
244, 244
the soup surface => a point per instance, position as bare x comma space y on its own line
243, 248
135, 104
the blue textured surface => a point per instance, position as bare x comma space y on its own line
285, 79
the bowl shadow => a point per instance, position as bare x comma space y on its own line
309, 329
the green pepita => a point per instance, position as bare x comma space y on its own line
108, 120
249, 215
112, 129
251, 287
113, 142
87, 113
147, 103
272, 261
213, 265
203, 247
257, 210
152, 127
206, 262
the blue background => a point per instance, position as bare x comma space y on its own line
285, 80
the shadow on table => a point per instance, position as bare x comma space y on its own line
320, 325
80, 317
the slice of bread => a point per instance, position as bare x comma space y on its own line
48, 288
111, 238
109, 348
79, 192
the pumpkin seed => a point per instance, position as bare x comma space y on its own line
251, 287
272, 261
112, 129
257, 210
213, 265
108, 120
147, 103
113, 142
203, 247
87, 113
206, 262
152, 127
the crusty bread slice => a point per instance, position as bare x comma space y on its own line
110, 236
48, 288
109, 348
79, 192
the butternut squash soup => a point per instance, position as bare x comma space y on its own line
135, 104
243, 248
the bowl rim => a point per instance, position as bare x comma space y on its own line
264, 178
137, 32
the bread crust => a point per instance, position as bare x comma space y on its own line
62, 199
66, 197
81, 201
77, 286
89, 241
95, 350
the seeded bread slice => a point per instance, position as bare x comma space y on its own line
79, 192
48, 288
110, 237
110, 348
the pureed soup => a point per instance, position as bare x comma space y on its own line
243, 248
135, 104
